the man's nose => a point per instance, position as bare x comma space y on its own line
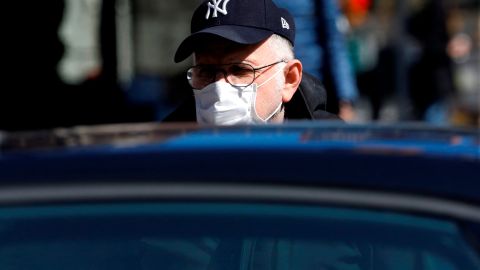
219, 76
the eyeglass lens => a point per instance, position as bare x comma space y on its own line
236, 74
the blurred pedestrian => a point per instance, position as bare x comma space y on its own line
431, 76
321, 47
31, 94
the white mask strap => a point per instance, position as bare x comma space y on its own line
271, 78
279, 107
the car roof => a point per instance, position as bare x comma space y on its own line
407, 158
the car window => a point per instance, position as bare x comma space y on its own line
215, 236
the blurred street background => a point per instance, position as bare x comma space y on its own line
88, 62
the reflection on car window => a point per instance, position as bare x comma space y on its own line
227, 236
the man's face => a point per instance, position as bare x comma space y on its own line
219, 51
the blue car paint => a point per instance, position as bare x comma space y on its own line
398, 158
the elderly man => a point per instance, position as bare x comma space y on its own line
244, 67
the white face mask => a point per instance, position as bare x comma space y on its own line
220, 103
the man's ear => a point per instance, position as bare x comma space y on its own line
293, 77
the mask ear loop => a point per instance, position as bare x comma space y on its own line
276, 111
271, 78
279, 107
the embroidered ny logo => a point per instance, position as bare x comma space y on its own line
215, 6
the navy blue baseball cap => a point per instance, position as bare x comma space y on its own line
240, 21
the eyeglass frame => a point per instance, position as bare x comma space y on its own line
225, 75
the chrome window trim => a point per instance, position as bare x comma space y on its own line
126, 192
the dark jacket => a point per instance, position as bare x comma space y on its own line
308, 103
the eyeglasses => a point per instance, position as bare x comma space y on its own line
236, 74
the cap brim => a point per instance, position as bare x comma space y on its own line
235, 33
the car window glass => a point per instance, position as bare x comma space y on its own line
227, 236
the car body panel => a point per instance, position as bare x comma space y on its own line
432, 161
265, 197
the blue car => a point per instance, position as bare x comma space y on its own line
296, 196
